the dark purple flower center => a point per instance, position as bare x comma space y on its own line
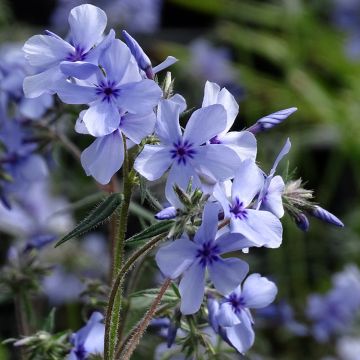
182, 151
78, 55
215, 140
238, 209
208, 253
80, 352
107, 90
237, 302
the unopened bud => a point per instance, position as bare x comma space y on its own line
141, 58
269, 121
326, 216
302, 222
166, 214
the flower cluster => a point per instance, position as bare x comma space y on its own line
234, 205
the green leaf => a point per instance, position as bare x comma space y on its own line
49, 324
102, 212
161, 227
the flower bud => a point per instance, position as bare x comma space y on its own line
269, 121
326, 216
302, 222
166, 214
141, 58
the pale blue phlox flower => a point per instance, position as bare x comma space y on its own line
260, 227
192, 259
232, 319
243, 142
105, 156
57, 58
270, 197
110, 92
188, 155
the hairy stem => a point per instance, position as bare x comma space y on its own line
113, 310
143, 324
118, 258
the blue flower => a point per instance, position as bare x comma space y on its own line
232, 318
118, 86
13, 69
105, 156
243, 142
270, 197
186, 154
56, 58
193, 258
140, 16
89, 339
260, 227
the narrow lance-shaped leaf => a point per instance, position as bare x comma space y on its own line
102, 212
153, 230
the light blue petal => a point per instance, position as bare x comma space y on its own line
102, 118
174, 258
87, 23
273, 198
204, 124
211, 93
260, 227
94, 343
136, 127
226, 99
115, 60
44, 82
241, 336
227, 274
170, 60
153, 161
286, 148
258, 291
226, 315
78, 69
209, 226
139, 97
216, 161
46, 51
247, 183
180, 100
192, 288
167, 126
104, 157
213, 309
71, 93
230, 242
242, 142
80, 126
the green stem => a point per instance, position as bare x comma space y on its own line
143, 324
118, 250
113, 310
118, 257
